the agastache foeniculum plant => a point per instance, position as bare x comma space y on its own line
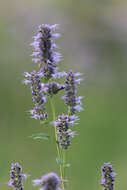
44, 84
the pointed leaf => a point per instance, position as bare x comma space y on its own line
40, 136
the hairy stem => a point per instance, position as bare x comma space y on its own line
59, 152
64, 164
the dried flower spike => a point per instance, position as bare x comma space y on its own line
49, 181
53, 88
16, 177
108, 177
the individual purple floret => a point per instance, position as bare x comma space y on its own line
70, 98
34, 79
16, 177
44, 47
49, 181
64, 131
59, 74
108, 177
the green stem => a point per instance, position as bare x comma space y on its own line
64, 164
59, 152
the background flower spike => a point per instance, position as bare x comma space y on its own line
108, 177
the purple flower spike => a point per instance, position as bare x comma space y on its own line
49, 181
16, 177
34, 79
64, 131
70, 98
108, 177
44, 47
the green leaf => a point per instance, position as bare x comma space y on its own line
59, 161
40, 136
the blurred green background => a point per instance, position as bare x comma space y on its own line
94, 42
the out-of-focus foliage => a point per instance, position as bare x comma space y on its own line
93, 42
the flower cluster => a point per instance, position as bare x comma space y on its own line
49, 181
44, 84
108, 177
64, 132
48, 58
44, 49
16, 177
39, 99
70, 98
